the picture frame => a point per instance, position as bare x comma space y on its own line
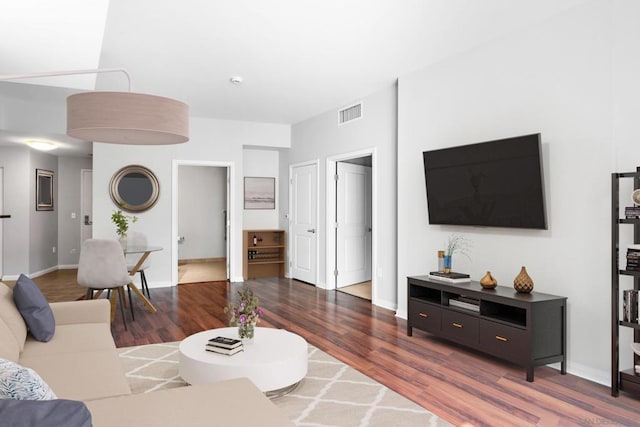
44, 190
259, 192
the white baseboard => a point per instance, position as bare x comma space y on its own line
390, 305
402, 314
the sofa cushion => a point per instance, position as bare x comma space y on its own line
21, 383
224, 403
8, 346
11, 316
34, 309
44, 413
81, 375
72, 339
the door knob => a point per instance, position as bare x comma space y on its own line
313, 230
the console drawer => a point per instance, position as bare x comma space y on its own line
424, 316
504, 341
460, 327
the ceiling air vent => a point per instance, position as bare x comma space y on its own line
350, 113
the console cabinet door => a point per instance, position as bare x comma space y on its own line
504, 341
424, 316
460, 327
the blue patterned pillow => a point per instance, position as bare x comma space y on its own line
20, 383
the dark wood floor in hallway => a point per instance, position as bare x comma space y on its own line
457, 384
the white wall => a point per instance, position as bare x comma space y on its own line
43, 225
265, 164
321, 137
555, 78
210, 140
68, 202
202, 200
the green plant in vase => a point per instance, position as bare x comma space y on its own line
455, 244
121, 222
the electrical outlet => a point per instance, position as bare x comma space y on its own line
73, 251
53, 249
73, 215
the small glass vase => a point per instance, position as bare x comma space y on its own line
246, 331
447, 264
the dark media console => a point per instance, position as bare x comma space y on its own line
526, 329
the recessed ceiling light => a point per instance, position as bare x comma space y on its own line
236, 80
41, 145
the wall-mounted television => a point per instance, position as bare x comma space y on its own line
494, 183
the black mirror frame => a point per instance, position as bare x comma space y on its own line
117, 198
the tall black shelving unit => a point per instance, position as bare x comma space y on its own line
626, 380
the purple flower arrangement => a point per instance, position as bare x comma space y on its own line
245, 314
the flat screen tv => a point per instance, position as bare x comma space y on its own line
495, 183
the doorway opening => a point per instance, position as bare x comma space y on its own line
202, 223
350, 206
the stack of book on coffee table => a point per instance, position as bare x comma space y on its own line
224, 345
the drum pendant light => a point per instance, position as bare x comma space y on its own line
121, 117
127, 118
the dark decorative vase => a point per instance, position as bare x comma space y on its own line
523, 282
488, 281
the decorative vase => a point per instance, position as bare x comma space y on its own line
523, 282
447, 264
123, 242
488, 281
246, 331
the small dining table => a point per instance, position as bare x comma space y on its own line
144, 251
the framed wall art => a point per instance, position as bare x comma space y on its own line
44, 190
259, 193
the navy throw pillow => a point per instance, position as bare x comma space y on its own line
44, 413
34, 308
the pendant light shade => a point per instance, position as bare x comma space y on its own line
127, 118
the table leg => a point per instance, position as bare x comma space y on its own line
144, 299
135, 289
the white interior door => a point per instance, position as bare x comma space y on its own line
304, 223
353, 224
86, 214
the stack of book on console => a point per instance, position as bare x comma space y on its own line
224, 345
449, 277
465, 302
633, 258
631, 212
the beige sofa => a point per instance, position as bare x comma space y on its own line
80, 362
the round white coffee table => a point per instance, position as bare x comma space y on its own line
275, 361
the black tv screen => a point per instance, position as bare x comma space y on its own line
495, 183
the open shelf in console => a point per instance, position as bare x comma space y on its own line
425, 294
511, 315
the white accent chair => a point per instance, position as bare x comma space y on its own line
102, 267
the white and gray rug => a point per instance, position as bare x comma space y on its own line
332, 393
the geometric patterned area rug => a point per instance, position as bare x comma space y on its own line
332, 393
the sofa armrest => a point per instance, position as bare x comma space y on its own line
74, 312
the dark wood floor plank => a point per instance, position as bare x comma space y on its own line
458, 384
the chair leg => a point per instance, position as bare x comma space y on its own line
130, 302
121, 297
89, 294
145, 287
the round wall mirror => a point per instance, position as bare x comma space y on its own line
134, 188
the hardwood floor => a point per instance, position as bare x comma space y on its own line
457, 384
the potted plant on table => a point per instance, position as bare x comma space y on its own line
246, 314
121, 222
